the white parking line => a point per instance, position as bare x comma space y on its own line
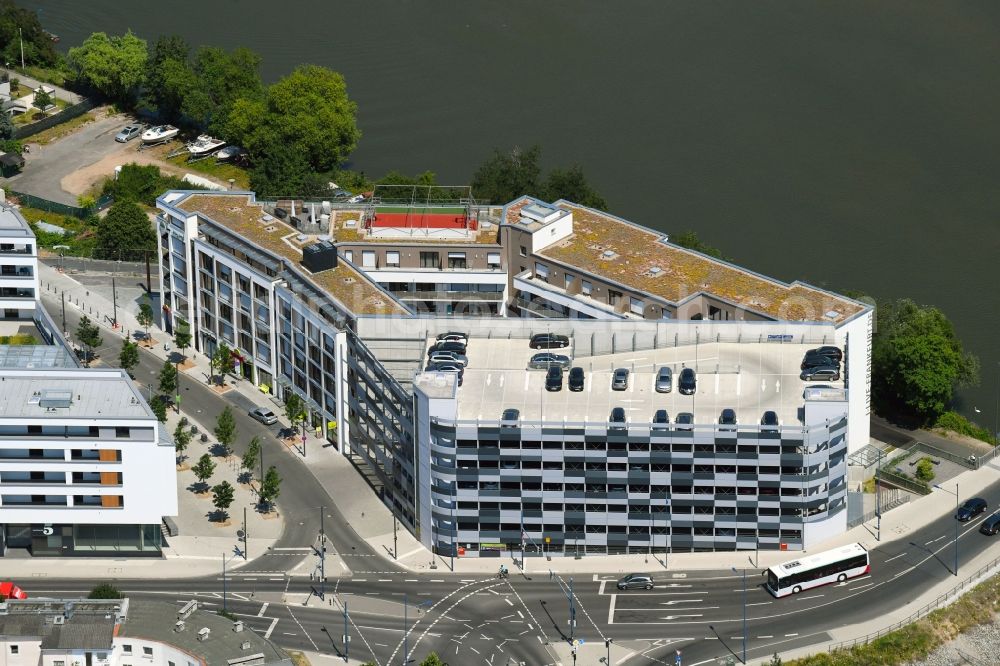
263, 608
611, 609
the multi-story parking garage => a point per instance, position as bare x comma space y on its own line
322, 300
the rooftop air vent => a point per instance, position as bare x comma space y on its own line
302, 238
350, 224
831, 314
319, 256
609, 254
203, 633
654, 271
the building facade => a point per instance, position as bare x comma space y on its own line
338, 306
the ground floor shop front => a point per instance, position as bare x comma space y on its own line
60, 540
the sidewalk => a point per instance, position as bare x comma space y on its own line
373, 521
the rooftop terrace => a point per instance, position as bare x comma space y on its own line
243, 217
345, 227
642, 259
71, 393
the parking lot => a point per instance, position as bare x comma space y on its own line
749, 378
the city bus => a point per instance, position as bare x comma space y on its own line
832, 566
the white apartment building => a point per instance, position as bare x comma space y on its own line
18, 259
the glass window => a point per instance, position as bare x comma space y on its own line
569, 280
456, 260
430, 260
368, 259
493, 259
392, 258
524, 251
636, 306
541, 271
148, 651
586, 288
349, 255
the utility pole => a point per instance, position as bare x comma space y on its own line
347, 636
744, 612
607, 644
21, 39
406, 647
114, 303
246, 536
395, 540
322, 555
64, 311
572, 618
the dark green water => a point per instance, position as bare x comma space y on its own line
851, 144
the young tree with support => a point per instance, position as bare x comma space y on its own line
182, 337
204, 469
270, 488
182, 437
168, 379
222, 360
128, 358
225, 430
88, 334
250, 457
295, 410
145, 316
222, 497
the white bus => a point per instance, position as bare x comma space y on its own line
832, 566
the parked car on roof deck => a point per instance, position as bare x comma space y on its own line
833, 352
688, 382
664, 380
619, 380
548, 341
449, 356
827, 372
576, 379
453, 336
554, 378
544, 360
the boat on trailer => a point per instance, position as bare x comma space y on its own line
159, 134
204, 145
229, 153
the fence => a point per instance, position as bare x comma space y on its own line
937, 603
68, 113
900, 481
895, 498
31, 201
982, 460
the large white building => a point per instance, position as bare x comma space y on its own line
340, 303
85, 467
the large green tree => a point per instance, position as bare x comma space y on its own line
270, 487
917, 361
124, 233
280, 170
308, 110
572, 185
114, 66
204, 469
220, 79
169, 77
168, 378
225, 430
38, 46
505, 176
128, 357
223, 495
691, 241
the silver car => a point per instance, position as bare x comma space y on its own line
664, 380
619, 381
128, 133
545, 360
450, 357
264, 415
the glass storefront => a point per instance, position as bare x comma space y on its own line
97, 540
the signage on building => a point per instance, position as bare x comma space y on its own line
776, 337
42, 530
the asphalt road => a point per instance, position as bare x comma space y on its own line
478, 619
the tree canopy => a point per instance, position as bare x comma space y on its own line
124, 233
220, 79
114, 66
169, 78
917, 361
38, 46
690, 240
504, 176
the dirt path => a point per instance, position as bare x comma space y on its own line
84, 180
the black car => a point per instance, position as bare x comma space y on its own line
576, 379
660, 419
453, 336
553, 378
769, 419
457, 347
727, 418
684, 421
972, 508
833, 353
991, 525
826, 372
510, 417
617, 418
811, 360
688, 382
548, 341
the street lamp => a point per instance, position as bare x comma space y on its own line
956, 520
744, 612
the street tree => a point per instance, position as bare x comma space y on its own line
128, 357
308, 110
182, 437
182, 336
223, 495
89, 335
168, 378
204, 469
169, 78
917, 362
270, 487
220, 79
295, 409
250, 458
225, 430
159, 406
42, 99
105, 591
114, 66
222, 360
125, 233
432, 660
145, 315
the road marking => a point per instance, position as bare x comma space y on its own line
303, 629
790, 635
274, 623
410, 580
520, 614
760, 603
263, 608
815, 596
611, 609
933, 540
437, 580
509, 602
865, 585
359, 580
384, 580
895, 557
768, 636
304, 549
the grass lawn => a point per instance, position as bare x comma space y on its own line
59, 131
79, 237
49, 75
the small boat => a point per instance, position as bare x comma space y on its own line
159, 134
51, 35
229, 153
204, 145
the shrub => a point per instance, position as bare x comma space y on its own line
105, 591
957, 423
925, 469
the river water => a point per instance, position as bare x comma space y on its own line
850, 144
